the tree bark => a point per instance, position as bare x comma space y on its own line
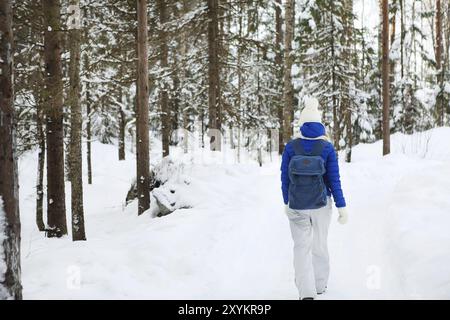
164, 96
349, 56
10, 283
122, 119
438, 53
41, 159
279, 64
184, 72
288, 94
88, 133
407, 58
393, 25
142, 114
385, 77
378, 131
174, 104
56, 206
336, 119
122, 125
239, 85
76, 158
214, 105
177, 71
88, 106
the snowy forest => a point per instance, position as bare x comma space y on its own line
146, 138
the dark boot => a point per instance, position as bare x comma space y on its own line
319, 293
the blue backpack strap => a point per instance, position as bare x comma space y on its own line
298, 148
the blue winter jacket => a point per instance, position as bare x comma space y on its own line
331, 177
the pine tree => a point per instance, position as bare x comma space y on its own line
328, 59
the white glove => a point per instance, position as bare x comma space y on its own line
343, 216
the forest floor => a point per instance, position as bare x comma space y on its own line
234, 243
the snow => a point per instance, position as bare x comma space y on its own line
234, 242
447, 87
427, 96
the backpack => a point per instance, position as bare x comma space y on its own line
307, 188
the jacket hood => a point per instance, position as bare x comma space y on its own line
312, 129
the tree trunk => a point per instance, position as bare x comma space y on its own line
336, 119
56, 206
88, 107
10, 285
279, 64
213, 74
378, 132
349, 56
438, 53
445, 64
176, 71
239, 85
393, 24
385, 77
174, 106
164, 97
122, 121
88, 133
76, 157
41, 159
142, 114
184, 72
288, 94
402, 61
122, 124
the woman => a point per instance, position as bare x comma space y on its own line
309, 176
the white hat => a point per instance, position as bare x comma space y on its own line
310, 112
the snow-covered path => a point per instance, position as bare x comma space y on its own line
235, 242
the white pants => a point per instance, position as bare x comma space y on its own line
309, 230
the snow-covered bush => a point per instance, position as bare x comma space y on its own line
168, 187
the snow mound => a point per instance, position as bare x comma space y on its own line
432, 144
172, 194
